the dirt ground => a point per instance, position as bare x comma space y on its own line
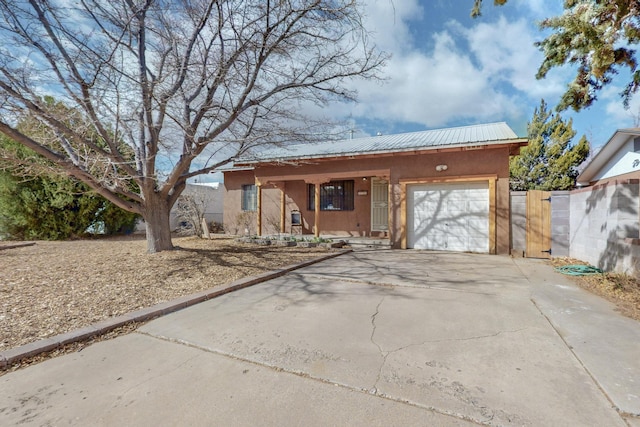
621, 289
54, 287
50, 288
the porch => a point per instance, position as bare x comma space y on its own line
352, 207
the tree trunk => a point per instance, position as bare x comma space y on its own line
156, 217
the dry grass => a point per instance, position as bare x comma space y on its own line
55, 287
621, 289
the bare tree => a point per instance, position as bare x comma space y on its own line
188, 85
190, 210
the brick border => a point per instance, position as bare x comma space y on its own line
13, 355
16, 245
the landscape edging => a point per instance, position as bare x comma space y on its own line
14, 355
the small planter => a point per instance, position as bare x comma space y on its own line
331, 245
307, 244
263, 242
284, 243
245, 240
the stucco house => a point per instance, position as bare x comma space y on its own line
444, 189
605, 211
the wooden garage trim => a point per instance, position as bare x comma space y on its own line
491, 179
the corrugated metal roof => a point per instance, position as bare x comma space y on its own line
466, 136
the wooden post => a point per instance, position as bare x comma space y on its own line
403, 215
317, 209
283, 211
259, 209
493, 244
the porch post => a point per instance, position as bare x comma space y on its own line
259, 209
283, 217
317, 209
492, 216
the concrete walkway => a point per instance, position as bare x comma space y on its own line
368, 338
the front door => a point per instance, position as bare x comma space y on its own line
379, 205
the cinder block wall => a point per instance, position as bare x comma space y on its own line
560, 223
604, 226
518, 222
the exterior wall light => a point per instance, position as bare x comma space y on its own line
441, 168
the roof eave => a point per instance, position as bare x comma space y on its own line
613, 144
520, 142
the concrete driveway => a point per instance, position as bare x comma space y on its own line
368, 338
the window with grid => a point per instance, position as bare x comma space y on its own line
334, 196
249, 197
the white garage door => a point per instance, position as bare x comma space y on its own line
448, 217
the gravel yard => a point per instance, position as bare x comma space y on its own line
49, 288
55, 287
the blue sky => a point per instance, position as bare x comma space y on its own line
448, 69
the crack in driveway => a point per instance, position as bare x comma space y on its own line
391, 285
385, 354
374, 389
306, 375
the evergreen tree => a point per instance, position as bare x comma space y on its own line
598, 38
549, 162
36, 203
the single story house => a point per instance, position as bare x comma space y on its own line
444, 189
605, 209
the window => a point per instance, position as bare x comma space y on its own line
249, 197
334, 196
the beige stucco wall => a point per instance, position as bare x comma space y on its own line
395, 168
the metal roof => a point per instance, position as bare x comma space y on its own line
465, 136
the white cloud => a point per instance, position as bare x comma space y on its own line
543, 8
617, 115
388, 21
435, 89
445, 74
490, 80
505, 52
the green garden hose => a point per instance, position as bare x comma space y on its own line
578, 270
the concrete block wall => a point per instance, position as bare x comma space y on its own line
604, 226
518, 222
560, 223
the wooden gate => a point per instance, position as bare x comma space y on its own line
538, 224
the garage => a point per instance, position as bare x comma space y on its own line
449, 216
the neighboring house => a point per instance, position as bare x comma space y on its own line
605, 211
208, 197
445, 189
